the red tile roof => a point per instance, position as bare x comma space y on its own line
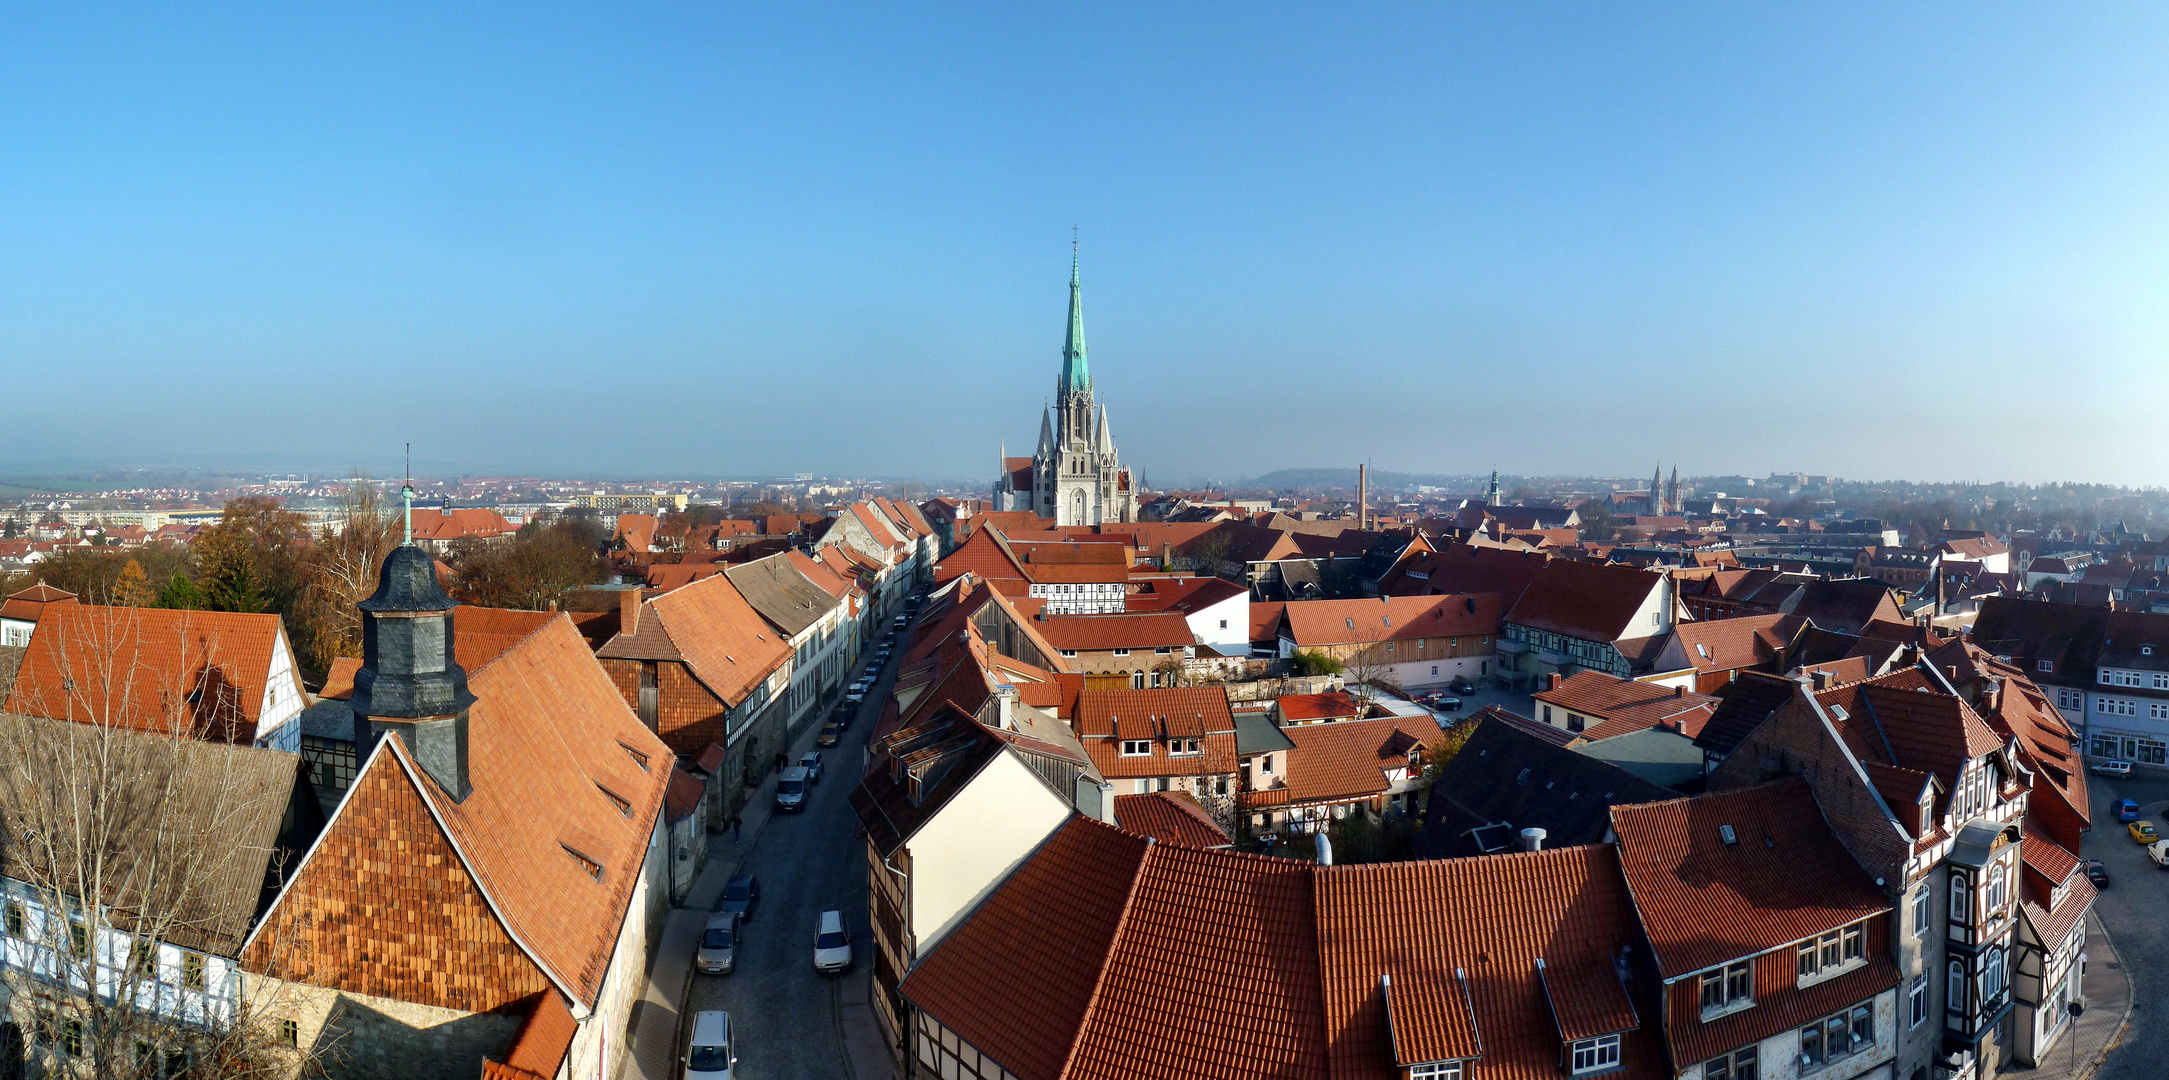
151, 668
465, 521
1094, 633
1344, 761
1728, 644
1318, 706
1015, 980
28, 604
708, 625
1625, 706
1566, 907
1705, 902
1591, 601
1170, 817
1313, 623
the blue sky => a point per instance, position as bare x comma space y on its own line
713, 241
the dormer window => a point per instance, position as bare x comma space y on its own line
1137, 748
1727, 989
1595, 1055
1436, 1070
1832, 953
1182, 747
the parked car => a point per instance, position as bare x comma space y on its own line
2159, 852
854, 695
1451, 704
718, 952
831, 944
830, 735
2118, 769
2097, 873
711, 1057
791, 787
810, 761
741, 895
1463, 687
2142, 831
2125, 809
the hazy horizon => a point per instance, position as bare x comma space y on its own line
692, 241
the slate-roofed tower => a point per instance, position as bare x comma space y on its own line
409, 684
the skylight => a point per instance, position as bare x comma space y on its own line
1726, 834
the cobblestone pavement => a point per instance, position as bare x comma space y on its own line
790, 1022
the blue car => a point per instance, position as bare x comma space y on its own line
2126, 809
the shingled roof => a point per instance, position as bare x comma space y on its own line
1591, 601
1503, 780
152, 669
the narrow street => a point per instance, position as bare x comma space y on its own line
2133, 911
790, 1022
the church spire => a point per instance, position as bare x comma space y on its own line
1074, 374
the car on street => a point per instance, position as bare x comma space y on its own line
831, 944
2097, 873
2118, 769
1451, 704
810, 761
2159, 852
711, 1057
791, 788
741, 895
830, 735
718, 952
1463, 687
854, 695
2142, 831
2125, 809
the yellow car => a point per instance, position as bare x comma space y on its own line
2142, 831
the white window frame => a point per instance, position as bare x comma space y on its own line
1594, 1055
1923, 907
1137, 748
1435, 1070
1916, 997
1120, 652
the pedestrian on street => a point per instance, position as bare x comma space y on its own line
781, 758
736, 825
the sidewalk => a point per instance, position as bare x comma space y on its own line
653, 1049
2108, 1012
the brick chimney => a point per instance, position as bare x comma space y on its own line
1819, 679
1551, 681
629, 611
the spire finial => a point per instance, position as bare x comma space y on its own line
406, 496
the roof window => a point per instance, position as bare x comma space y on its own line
1351, 623
1703, 649
1727, 834
593, 868
639, 758
625, 806
1838, 712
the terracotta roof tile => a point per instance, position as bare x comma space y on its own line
1746, 641
1318, 706
1624, 705
1313, 623
1094, 633
713, 630
1016, 978
1345, 760
1704, 901
431, 523
1170, 817
1591, 601
149, 668
1567, 907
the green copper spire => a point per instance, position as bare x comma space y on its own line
1074, 374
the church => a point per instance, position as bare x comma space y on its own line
1074, 477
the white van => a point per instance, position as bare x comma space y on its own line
2159, 852
791, 789
711, 1057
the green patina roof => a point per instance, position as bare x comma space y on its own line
1075, 376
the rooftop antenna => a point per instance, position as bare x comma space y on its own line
406, 496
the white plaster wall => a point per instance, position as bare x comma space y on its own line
1235, 636
974, 841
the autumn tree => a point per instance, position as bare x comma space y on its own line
133, 589
252, 560
532, 570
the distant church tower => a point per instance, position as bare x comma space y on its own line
1656, 490
1074, 476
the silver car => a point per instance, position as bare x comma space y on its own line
831, 944
718, 954
711, 1055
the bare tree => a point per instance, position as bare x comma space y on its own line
342, 572
136, 845
1368, 668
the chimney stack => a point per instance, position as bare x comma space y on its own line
1679, 691
1363, 496
1325, 847
1551, 681
629, 611
1006, 711
1532, 839
1820, 680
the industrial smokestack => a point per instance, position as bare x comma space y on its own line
1363, 496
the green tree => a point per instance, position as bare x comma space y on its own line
1598, 526
181, 593
1309, 662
